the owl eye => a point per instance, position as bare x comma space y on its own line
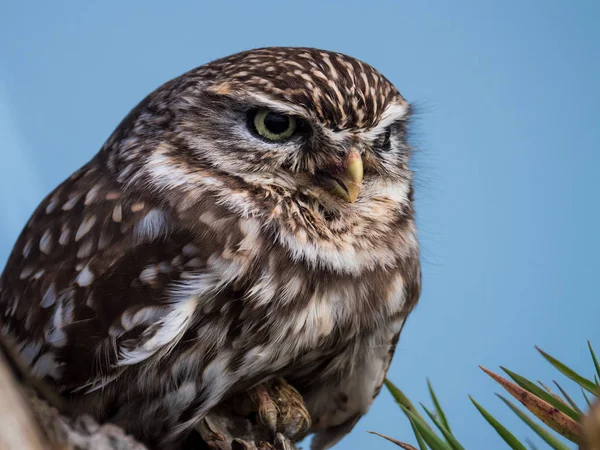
383, 143
271, 125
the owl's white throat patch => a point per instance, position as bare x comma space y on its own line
344, 258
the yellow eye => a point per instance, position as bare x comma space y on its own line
274, 126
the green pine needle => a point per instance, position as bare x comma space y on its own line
429, 436
438, 407
401, 399
587, 400
506, 435
588, 385
596, 365
450, 439
569, 399
420, 441
428, 439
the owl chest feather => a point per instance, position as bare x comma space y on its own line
265, 308
273, 279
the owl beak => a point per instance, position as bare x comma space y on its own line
346, 181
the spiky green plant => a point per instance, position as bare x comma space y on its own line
558, 414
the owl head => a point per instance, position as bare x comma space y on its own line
309, 140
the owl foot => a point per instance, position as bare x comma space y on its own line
270, 416
280, 408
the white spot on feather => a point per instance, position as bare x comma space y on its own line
148, 275
70, 204
63, 316
51, 206
163, 333
46, 242
91, 195
85, 227
117, 214
151, 226
65, 235
138, 206
49, 297
39, 274
85, 277
27, 272
136, 316
113, 195
27, 248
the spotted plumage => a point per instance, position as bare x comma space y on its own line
194, 257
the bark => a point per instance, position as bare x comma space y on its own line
18, 427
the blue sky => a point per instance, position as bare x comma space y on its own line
507, 131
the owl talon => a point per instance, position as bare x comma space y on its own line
281, 408
267, 409
295, 418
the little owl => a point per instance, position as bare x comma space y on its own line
250, 220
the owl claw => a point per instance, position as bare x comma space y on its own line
281, 408
267, 409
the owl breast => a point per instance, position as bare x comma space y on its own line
273, 307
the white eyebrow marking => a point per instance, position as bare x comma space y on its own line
392, 113
283, 107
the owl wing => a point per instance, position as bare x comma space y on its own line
91, 285
343, 401
370, 358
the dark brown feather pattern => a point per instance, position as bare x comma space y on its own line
189, 261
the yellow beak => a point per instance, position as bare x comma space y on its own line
348, 182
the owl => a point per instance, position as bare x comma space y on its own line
249, 220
